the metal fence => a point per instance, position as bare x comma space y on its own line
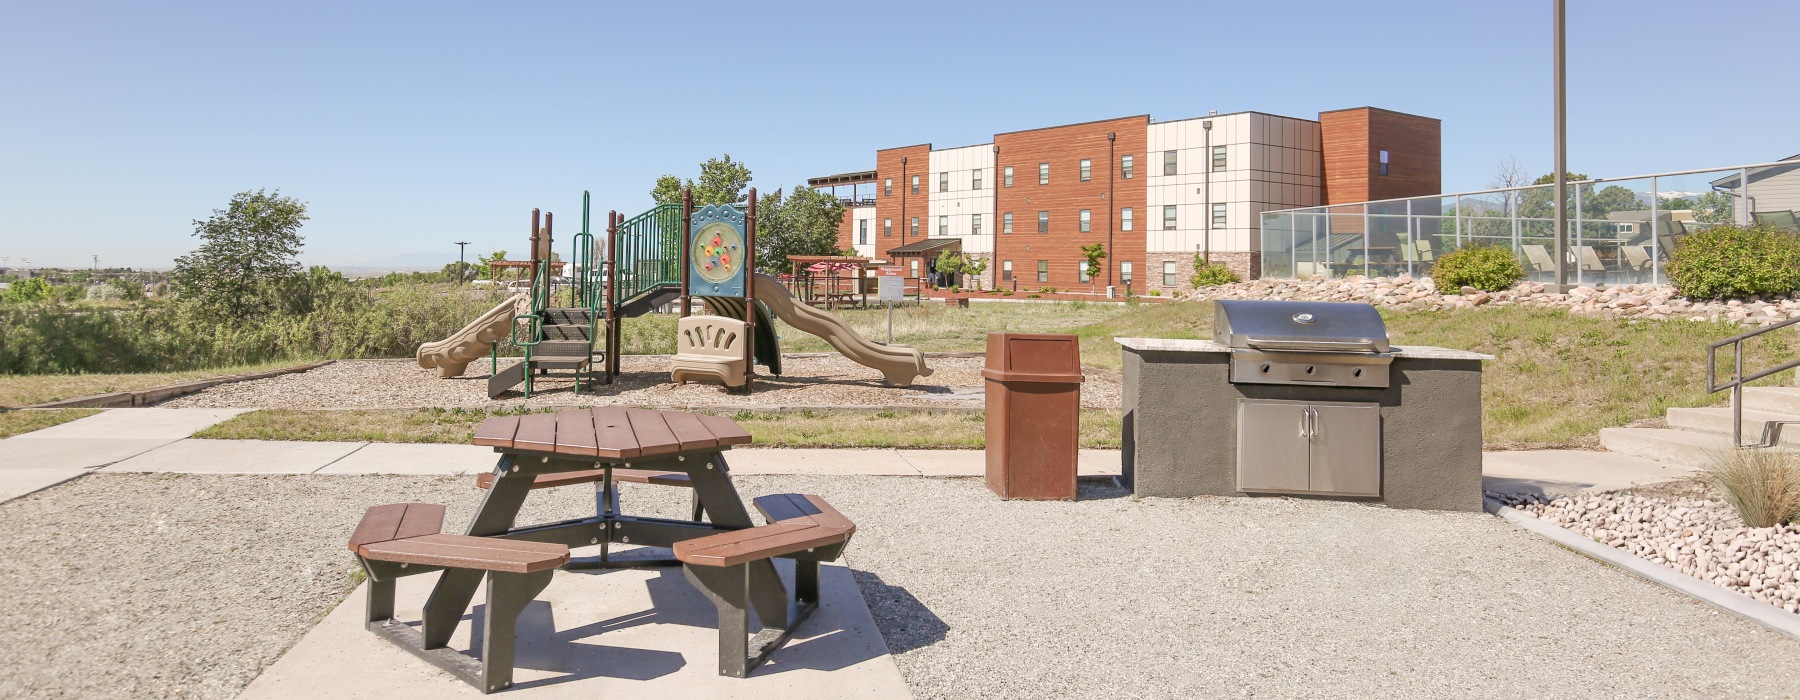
1621, 230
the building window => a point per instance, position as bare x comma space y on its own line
1006, 270
1126, 167
1218, 215
1008, 176
975, 179
915, 184
1168, 273
1043, 222
1006, 222
887, 187
943, 226
887, 228
944, 182
1125, 272
1087, 170
1043, 173
1168, 217
1168, 162
1043, 270
1086, 220
915, 266
975, 225
915, 227
1125, 219
862, 233
1081, 273
1384, 162
1218, 156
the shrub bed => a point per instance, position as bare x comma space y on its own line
1484, 267
1728, 262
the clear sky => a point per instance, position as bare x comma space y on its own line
406, 126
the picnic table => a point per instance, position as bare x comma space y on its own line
726, 555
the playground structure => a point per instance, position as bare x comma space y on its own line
673, 253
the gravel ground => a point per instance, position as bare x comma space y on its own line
810, 380
1685, 527
187, 585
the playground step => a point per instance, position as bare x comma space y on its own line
568, 332
561, 362
564, 348
1717, 421
574, 317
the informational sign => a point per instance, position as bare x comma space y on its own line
892, 288
891, 271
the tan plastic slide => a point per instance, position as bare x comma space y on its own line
898, 363
452, 355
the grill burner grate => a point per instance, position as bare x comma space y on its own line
1304, 342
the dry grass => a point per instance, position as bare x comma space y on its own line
25, 390
939, 328
1763, 486
19, 422
913, 429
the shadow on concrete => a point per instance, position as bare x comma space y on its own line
905, 622
1533, 487
539, 646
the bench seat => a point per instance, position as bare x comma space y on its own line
797, 523
465, 552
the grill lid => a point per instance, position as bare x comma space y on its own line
1299, 326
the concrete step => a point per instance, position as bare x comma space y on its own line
1779, 399
1717, 421
1669, 445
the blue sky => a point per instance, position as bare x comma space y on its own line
406, 126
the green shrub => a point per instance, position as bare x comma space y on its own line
1484, 267
1212, 275
1723, 262
1156, 292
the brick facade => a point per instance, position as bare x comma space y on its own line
1063, 148
902, 205
1352, 142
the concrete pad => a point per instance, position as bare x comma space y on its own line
239, 457
388, 458
617, 634
814, 461
1101, 463
19, 482
140, 423
1561, 472
29, 451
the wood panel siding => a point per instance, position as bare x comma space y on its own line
1352, 141
1064, 147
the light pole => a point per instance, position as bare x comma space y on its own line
1111, 162
1562, 152
461, 247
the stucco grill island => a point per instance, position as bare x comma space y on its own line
1303, 399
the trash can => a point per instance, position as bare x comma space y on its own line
1033, 413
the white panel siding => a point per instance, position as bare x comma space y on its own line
1272, 162
962, 203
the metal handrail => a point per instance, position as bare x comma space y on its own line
1771, 429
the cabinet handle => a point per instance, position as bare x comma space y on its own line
1304, 432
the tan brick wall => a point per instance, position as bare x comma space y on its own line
1246, 265
1063, 147
902, 205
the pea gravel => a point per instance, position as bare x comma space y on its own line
186, 585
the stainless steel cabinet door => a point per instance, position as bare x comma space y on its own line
1272, 446
1346, 449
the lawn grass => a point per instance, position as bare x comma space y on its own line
900, 428
20, 422
25, 390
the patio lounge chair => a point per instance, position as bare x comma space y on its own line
1779, 220
1540, 258
1591, 264
1637, 258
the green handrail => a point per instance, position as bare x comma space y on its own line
649, 248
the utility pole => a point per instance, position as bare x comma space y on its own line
1111, 163
461, 247
96, 263
1562, 151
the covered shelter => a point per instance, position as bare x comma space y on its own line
919, 258
829, 280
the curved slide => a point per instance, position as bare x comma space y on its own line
898, 363
451, 356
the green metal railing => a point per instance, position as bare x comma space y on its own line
586, 288
649, 250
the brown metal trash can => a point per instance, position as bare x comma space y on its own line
1033, 413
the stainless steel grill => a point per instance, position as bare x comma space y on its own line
1304, 342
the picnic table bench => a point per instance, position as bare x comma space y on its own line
726, 555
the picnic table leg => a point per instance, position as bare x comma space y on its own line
456, 587
720, 499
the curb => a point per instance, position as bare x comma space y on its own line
145, 397
1710, 593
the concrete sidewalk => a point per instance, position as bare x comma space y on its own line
47, 457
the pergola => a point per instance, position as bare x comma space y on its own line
830, 280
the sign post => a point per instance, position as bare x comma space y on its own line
892, 281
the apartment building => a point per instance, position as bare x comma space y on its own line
1155, 193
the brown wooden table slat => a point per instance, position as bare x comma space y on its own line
549, 481
688, 429
496, 432
378, 525
653, 476
612, 433
652, 432
764, 542
537, 432
575, 433
420, 519
465, 552
726, 430
783, 506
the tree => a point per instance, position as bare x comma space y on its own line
950, 262
1608, 200
722, 181
252, 242
1676, 204
973, 266
1093, 254
485, 270
28, 290
1540, 202
802, 223
1714, 207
